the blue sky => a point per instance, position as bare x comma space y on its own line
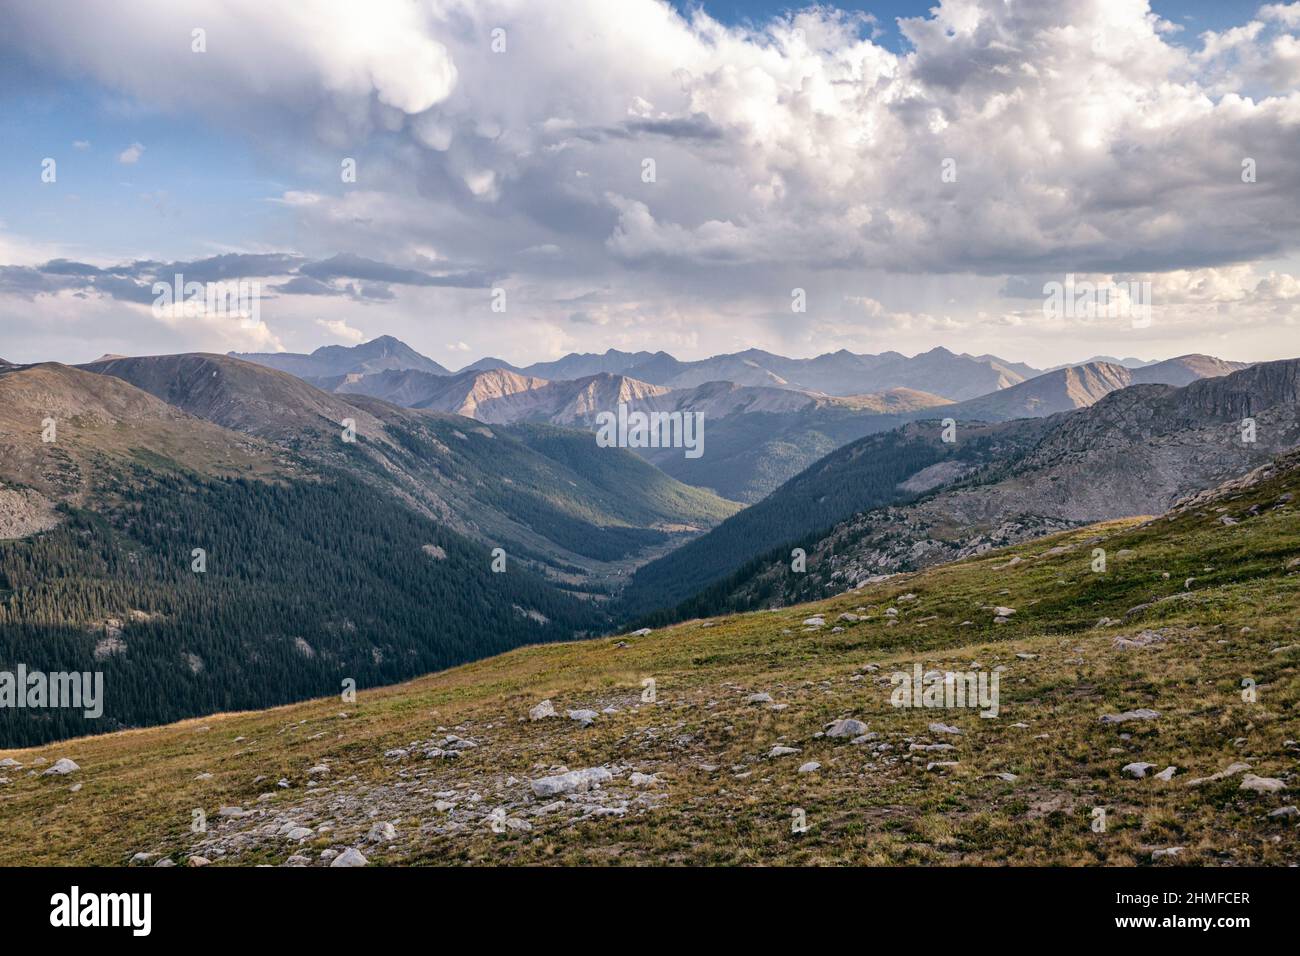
776, 170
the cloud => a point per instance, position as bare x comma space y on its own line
789, 152
341, 330
131, 155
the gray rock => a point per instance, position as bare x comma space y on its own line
575, 781
938, 728
349, 857
382, 833
759, 698
1231, 770
584, 717
542, 711
846, 728
1261, 784
1167, 774
810, 767
62, 766
1137, 769
779, 751
1142, 713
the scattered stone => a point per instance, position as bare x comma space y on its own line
641, 632
349, 857
1285, 812
759, 698
1143, 639
846, 728
575, 781
1138, 770
779, 751
1261, 784
1230, 771
1142, 713
810, 767
1170, 852
643, 780
938, 728
382, 833
61, 766
197, 861
584, 717
1167, 774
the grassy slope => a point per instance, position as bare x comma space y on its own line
862, 807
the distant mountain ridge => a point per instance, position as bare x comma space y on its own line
1135, 451
376, 355
572, 516
768, 416
1078, 386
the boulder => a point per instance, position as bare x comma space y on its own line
575, 781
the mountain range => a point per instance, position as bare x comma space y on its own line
906, 499
383, 500
199, 529
767, 417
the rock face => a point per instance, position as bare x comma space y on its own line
575, 781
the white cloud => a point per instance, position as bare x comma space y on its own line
341, 330
791, 154
131, 155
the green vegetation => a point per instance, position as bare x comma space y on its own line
1021, 788
858, 477
306, 584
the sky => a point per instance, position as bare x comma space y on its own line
534, 177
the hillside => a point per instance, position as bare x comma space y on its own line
708, 774
480, 482
98, 571
97, 424
1079, 386
1132, 452
1136, 451
880, 469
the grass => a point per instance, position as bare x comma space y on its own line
1233, 622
